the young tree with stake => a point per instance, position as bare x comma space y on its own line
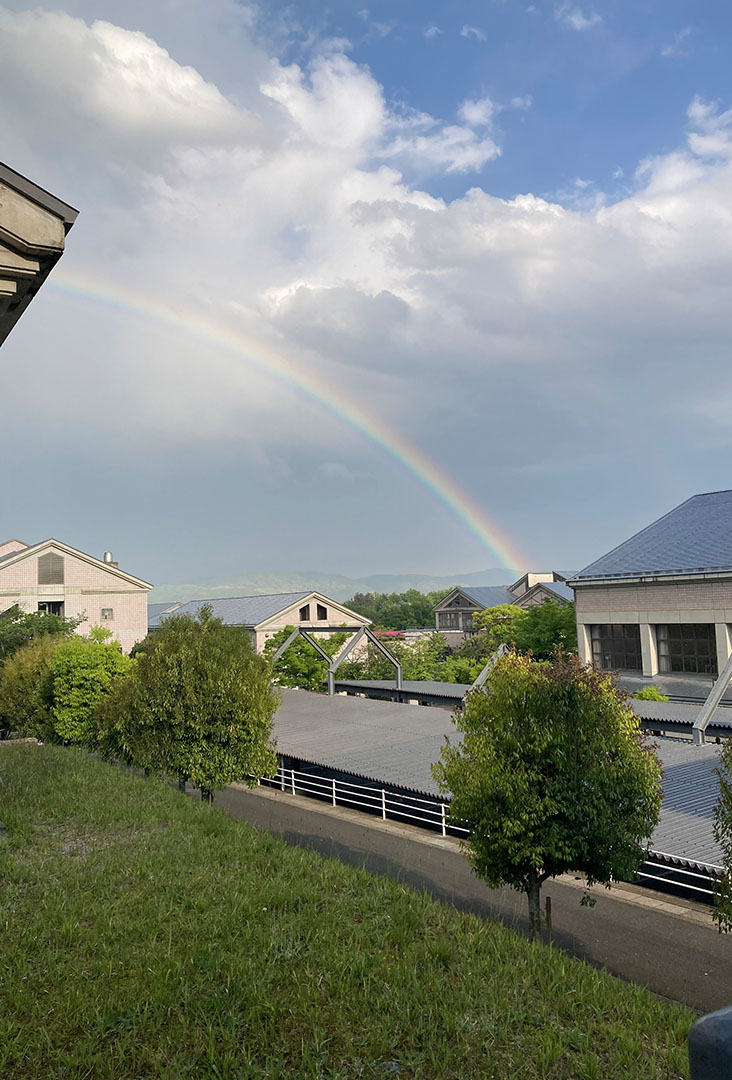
553, 775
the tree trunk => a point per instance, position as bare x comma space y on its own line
206, 795
533, 893
181, 783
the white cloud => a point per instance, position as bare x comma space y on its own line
676, 47
474, 32
478, 113
574, 18
293, 226
523, 102
432, 32
336, 470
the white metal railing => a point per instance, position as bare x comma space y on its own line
388, 804
429, 813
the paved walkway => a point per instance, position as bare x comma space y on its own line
668, 945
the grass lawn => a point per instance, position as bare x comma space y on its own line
147, 935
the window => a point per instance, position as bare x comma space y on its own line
322, 612
448, 620
51, 607
50, 569
616, 646
107, 614
305, 613
687, 647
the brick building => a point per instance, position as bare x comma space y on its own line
661, 602
51, 576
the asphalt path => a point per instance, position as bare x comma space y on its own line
668, 945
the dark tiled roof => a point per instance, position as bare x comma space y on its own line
239, 610
560, 589
488, 595
696, 537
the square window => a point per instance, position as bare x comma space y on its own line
107, 613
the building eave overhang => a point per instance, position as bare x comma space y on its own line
264, 624
715, 574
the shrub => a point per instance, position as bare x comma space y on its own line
650, 693
83, 672
23, 705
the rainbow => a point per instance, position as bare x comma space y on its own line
275, 363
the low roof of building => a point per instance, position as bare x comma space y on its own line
397, 744
693, 538
247, 611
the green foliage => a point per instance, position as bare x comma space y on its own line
723, 835
198, 705
650, 693
553, 775
301, 666
23, 676
500, 624
146, 935
546, 627
419, 659
83, 671
18, 627
397, 611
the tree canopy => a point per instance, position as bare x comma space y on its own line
82, 672
17, 627
552, 775
397, 611
301, 666
198, 705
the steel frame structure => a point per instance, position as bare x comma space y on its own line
334, 662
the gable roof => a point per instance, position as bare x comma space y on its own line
559, 588
483, 596
693, 538
247, 611
36, 549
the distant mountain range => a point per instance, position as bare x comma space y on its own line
338, 586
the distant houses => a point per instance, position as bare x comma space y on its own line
265, 615
454, 614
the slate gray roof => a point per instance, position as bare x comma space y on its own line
695, 537
488, 595
397, 744
154, 611
560, 589
239, 610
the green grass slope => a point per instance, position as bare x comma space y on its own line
147, 935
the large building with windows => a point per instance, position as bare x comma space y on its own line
51, 576
661, 602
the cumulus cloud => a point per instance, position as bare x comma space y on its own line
432, 32
288, 252
574, 18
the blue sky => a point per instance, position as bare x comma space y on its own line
503, 230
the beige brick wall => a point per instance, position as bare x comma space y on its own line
670, 599
86, 590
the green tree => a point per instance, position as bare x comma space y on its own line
397, 611
650, 693
17, 627
545, 628
420, 660
82, 672
23, 676
553, 775
198, 705
501, 625
301, 666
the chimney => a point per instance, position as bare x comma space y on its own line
109, 560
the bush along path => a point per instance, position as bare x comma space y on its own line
145, 934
